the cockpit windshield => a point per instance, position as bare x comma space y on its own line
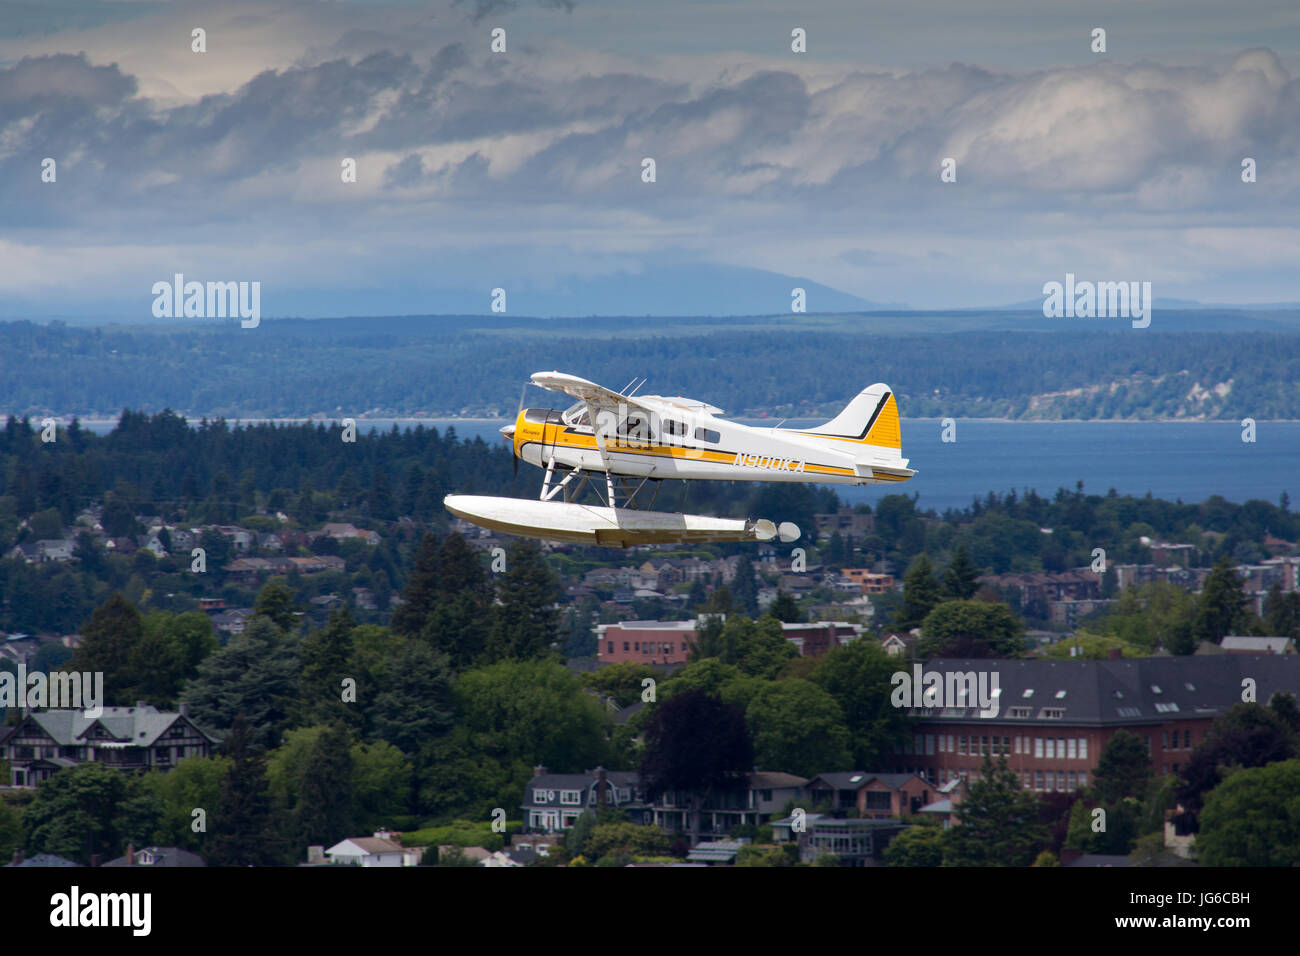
576, 415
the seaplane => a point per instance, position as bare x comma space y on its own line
635, 442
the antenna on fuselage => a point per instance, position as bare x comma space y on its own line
638, 388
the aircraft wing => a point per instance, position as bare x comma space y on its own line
589, 392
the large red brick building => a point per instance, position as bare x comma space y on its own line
1054, 717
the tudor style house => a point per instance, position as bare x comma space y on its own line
138, 738
1053, 718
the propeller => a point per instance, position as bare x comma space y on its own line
508, 431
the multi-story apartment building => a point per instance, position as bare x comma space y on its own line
1053, 718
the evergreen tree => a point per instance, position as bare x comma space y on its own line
421, 591
244, 830
524, 623
1222, 607
1123, 769
785, 609
256, 675
459, 621
744, 588
698, 595
325, 656
325, 810
276, 603
920, 594
108, 644
999, 823
960, 580
414, 704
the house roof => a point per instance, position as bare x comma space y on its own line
369, 845
129, 726
160, 856
1119, 692
44, 859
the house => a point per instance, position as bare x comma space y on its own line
857, 842
151, 542
554, 801
54, 549
138, 738
241, 538
158, 857
944, 809
378, 850
870, 794
346, 532
868, 581
895, 644
760, 796
232, 621
816, 638
846, 521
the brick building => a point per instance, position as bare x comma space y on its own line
1054, 717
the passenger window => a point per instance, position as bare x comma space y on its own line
674, 427
707, 434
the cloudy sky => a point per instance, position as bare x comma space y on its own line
522, 169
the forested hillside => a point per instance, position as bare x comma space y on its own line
473, 366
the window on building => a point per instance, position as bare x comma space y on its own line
961, 745
1038, 780
1070, 779
929, 744
1038, 749
1060, 780
1051, 748
1072, 750
984, 746
611, 646
1083, 750
1187, 740
950, 750
1017, 745
1148, 745
625, 645
1083, 778
878, 800
1164, 739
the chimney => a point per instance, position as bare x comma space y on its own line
18, 856
185, 710
382, 834
1114, 653
602, 787
96, 859
130, 854
539, 770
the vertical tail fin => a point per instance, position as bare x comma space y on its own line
871, 418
